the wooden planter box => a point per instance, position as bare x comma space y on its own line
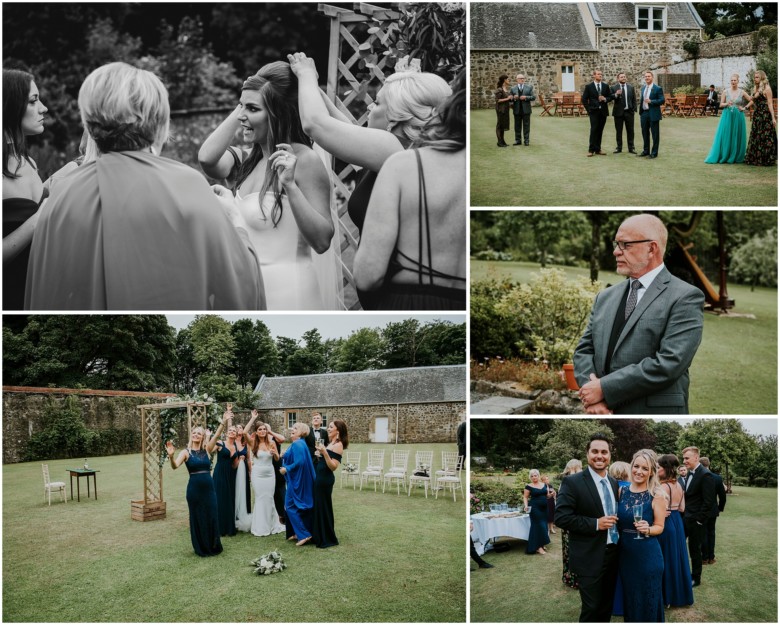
140, 511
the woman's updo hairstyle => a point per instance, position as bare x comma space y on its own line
278, 89
124, 108
411, 100
447, 131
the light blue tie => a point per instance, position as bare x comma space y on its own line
613, 533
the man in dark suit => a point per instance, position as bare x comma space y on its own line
713, 100
708, 544
650, 101
699, 500
642, 334
522, 96
682, 471
587, 508
316, 433
623, 111
595, 99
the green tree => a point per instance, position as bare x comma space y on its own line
309, 358
755, 262
285, 347
567, 439
631, 435
507, 442
448, 342
666, 433
724, 441
733, 18
187, 370
361, 351
405, 344
114, 352
214, 352
255, 352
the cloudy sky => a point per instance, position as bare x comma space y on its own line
765, 425
331, 325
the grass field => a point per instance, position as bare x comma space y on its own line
735, 369
740, 587
555, 171
401, 559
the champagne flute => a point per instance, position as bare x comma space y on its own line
638, 509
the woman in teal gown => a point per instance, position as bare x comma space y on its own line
730, 140
201, 496
640, 561
323, 526
537, 491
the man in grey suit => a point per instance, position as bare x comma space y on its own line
642, 334
522, 96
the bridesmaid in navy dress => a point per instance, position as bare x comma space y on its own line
323, 529
225, 481
201, 496
538, 493
641, 562
677, 570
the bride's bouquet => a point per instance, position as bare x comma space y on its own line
269, 563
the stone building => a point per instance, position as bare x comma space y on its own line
558, 45
412, 405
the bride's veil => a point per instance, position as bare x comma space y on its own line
328, 266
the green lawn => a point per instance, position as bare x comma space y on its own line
555, 171
401, 559
735, 369
740, 587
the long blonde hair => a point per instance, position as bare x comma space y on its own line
762, 85
653, 483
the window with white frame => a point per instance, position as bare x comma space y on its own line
292, 417
651, 19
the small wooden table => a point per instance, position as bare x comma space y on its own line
79, 473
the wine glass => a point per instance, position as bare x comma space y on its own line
638, 509
316, 443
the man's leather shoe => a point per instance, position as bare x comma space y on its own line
617, 151
486, 565
696, 582
642, 154
502, 145
630, 151
527, 143
600, 153
590, 153
653, 156
517, 143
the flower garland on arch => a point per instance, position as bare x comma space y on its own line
171, 419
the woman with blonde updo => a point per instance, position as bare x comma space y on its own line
730, 140
762, 145
281, 189
640, 561
404, 105
133, 230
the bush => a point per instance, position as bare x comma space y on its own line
64, 434
739, 481
496, 492
115, 441
535, 375
492, 332
755, 262
684, 90
552, 311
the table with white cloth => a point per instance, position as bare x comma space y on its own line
488, 527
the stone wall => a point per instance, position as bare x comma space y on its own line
620, 50
737, 45
416, 423
23, 409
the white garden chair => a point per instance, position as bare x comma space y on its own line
397, 472
49, 486
374, 468
450, 474
423, 463
351, 459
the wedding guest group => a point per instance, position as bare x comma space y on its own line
126, 228
217, 503
629, 540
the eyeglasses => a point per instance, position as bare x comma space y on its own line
624, 245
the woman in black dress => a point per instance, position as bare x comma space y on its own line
201, 496
330, 458
502, 109
225, 480
538, 494
762, 145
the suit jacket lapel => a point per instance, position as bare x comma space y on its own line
656, 288
609, 314
593, 490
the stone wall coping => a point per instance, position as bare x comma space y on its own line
343, 405
43, 390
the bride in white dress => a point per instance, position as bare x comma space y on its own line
265, 520
283, 191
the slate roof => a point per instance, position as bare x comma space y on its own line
527, 25
622, 14
362, 388
558, 26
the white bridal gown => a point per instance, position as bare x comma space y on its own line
265, 520
243, 518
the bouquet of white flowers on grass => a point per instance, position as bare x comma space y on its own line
269, 563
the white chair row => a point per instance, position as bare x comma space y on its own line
449, 476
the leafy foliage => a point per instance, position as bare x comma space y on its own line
534, 375
554, 311
755, 262
734, 18
64, 433
493, 332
